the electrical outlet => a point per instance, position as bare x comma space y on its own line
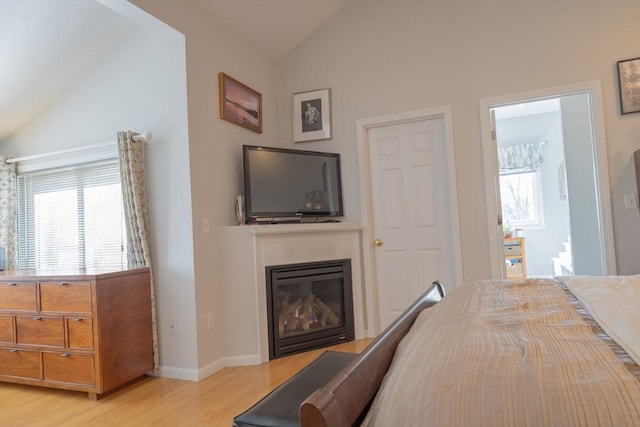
631, 201
173, 326
209, 320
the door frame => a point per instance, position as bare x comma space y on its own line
490, 158
368, 256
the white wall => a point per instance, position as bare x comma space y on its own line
387, 57
583, 203
140, 87
215, 152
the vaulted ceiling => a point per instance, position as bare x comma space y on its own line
46, 46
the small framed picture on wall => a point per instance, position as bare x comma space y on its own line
312, 115
629, 84
240, 104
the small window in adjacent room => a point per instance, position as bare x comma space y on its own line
521, 195
71, 218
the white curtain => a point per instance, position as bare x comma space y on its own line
8, 213
134, 195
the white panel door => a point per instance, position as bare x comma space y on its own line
410, 209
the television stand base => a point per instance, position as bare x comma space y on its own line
286, 220
318, 220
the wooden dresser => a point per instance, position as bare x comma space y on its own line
84, 331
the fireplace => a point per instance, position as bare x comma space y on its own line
309, 305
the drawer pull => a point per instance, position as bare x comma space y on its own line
65, 354
14, 350
63, 284
12, 284
78, 319
37, 318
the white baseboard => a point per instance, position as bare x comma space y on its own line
246, 360
177, 373
211, 369
208, 370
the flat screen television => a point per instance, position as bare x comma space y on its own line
284, 184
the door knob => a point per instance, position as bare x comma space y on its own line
378, 242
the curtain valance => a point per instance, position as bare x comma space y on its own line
520, 158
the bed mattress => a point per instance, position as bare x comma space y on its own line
501, 353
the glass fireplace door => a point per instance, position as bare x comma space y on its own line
309, 306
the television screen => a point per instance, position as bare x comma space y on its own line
288, 183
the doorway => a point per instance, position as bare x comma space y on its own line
410, 210
546, 162
533, 189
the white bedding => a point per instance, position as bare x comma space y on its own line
614, 302
516, 354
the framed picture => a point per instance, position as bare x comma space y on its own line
240, 104
629, 83
311, 116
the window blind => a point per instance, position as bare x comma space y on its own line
71, 218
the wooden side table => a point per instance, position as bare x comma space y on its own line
515, 257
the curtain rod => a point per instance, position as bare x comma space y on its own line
145, 137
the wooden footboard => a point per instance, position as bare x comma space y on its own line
343, 401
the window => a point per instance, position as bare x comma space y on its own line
522, 199
71, 218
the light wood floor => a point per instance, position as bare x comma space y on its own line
156, 401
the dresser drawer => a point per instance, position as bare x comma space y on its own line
6, 329
40, 330
65, 296
514, 269
20, 363
18, 296
68, 367
80, 332
512, 250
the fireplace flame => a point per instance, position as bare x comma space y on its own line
306, 314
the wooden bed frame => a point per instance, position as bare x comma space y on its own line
346, 398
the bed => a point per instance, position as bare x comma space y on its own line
538, 352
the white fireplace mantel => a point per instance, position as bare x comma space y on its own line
250, 249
